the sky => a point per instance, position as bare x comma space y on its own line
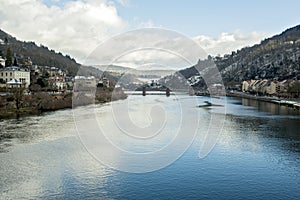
77, 27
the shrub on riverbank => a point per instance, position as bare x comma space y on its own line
13, 106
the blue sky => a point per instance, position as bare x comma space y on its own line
210, 17
218, 26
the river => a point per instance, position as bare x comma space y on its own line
256, 155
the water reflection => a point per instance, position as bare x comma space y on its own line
272, 108
257, 157
35, 128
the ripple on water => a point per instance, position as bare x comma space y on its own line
257, 157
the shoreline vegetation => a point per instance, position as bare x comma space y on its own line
16, 104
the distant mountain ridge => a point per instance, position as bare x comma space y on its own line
40, 55
277, 57
137, 72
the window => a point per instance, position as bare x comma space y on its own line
10, 73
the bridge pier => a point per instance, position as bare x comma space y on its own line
167, 92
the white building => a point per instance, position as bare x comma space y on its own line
57, 82
2, 61
83, 83
216, 89
245, 86
14, 72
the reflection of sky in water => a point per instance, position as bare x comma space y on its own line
59, 167
164, 123
257, 156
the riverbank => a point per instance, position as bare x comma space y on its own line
295, 104
14, 106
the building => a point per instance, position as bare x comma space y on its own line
2, 61
57, 82
282, 86
268, 87
103, 82
254, 86
261, 88
216, 89
69, 82
271, 88
83, 83
21, 74
245, 86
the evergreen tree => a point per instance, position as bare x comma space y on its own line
8, 61
5, 40
15, 62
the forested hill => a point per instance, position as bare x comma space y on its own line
40, 55
276, 58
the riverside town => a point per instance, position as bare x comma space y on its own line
150, 100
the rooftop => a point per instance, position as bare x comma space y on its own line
13, 68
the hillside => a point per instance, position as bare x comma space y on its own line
40, 55
130, 78
157, 73
275, 58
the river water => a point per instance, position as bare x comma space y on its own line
256, 155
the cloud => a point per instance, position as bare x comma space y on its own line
225, 43
124, 3
149, 45
169, 48
78, 27
147, 24
75, 28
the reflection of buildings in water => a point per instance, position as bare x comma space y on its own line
274, 109
249, 102
269, 107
